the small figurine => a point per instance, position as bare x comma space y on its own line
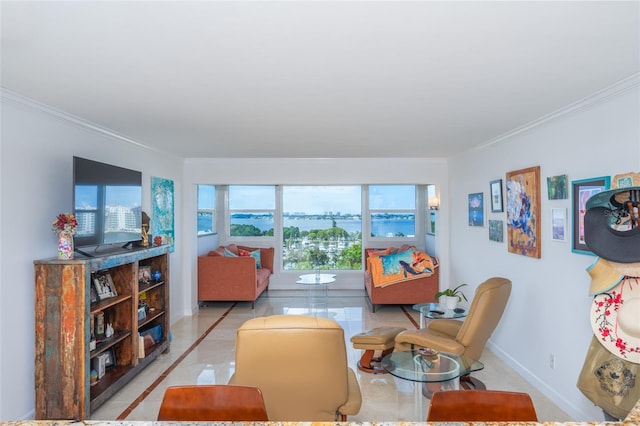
156, 275
146, 221
109, 332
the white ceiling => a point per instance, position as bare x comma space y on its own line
315, 79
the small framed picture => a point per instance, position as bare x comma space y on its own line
94, 294
557, 187
110, 358
559, 224
104, 286
144, 274
581, 191
495, 187
476, 209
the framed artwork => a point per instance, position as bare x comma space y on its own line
104, 286
559, 224
110, 358
495, 189
162, 225
581, 191
94, 294
144, 274
496, 231
557, 187
523, 212
476, 209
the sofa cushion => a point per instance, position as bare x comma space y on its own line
232, 248
217, 252
266, 256
255, 254
229, 253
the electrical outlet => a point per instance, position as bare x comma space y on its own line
552, 361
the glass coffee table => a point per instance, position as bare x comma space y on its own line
316, 283
439, 368
430, 372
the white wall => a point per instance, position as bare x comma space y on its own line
36, 184
548, 312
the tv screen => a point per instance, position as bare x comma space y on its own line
107, 203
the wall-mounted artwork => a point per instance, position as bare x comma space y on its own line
523, 212
495, 190
496, 231
559, 224
162, 208
581, 191
557, 187
476, 209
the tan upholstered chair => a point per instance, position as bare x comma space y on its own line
465, 338
300, 364
209, 403
481, 406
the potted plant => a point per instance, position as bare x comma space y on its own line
450, 297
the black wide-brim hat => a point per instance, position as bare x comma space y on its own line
606, 232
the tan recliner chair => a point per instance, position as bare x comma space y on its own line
465, 338
300, 364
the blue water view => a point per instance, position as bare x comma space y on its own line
381, 227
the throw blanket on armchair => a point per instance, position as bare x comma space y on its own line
387, 269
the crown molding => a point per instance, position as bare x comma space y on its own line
619, 87
16, 98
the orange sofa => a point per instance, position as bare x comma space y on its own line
417, 290
234, 277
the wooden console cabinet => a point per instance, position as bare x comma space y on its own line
65, 319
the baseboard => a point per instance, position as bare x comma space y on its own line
562, 402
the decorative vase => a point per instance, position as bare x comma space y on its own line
65, 245
449, 302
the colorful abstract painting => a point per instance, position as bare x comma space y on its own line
523, 212
162, 211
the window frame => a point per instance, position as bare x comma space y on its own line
383, 240
229, 212
213, 210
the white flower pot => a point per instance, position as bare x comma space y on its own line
449, 302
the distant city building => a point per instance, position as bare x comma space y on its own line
120, 218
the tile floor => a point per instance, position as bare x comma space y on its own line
202, 352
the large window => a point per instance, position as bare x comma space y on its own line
392, 210
206, 209
322, 227
251, 210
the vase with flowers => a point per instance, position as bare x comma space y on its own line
65, 227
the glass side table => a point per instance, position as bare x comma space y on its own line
437, 311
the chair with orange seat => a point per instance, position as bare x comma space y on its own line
212, 403
481, 406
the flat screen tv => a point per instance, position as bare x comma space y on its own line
107, 203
